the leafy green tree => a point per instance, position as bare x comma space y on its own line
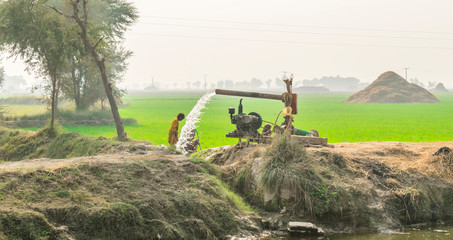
98, 33
30, 30
82, 83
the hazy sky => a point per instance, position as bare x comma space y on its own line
180, 41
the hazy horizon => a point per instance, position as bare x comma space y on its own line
181, 41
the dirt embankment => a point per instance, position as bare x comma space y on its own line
134, 191
374, 186
120, 196
390, 87
137, 191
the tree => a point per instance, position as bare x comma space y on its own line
280, 84
2, 79
196, 84
14, 83
220, 84
256, 83
100, 33
431, 85
81, 83
268, 83
31, 31
229, 84
2, 76
416, 81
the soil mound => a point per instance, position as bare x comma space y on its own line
374, 186
440, 88
390, 87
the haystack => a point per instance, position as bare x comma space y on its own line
390, 87
440, 88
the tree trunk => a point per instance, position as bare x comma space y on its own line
53, 99
57, 95
75, 84
100, 62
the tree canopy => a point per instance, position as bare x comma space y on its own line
63, 41
34, 33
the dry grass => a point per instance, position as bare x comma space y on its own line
400, 151
442, 166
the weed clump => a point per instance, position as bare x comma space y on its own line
16, 145
282, 174
26, 225
49, 142
285, 175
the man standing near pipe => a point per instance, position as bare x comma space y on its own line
173, 131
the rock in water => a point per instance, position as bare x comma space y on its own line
390, 87
304, 228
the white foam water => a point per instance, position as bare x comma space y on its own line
191, 120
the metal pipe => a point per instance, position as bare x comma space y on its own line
249, 94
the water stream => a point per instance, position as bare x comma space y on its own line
410, 234
191, 120
441, 233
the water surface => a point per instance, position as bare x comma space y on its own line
410, 234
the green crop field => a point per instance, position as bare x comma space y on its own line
340, 122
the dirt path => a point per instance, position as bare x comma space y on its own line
52, 164
396, 154
403, 156
424, 149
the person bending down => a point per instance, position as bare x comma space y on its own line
173, 131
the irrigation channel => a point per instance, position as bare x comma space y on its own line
410, 234
441, 233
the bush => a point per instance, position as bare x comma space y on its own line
276, 171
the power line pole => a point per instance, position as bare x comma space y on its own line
406, 73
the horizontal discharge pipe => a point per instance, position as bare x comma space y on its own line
259, 95
249, 94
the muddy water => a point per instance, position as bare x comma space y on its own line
426, 234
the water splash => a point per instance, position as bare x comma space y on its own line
191, 120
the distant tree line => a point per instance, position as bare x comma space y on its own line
332, 83
75, 46
342, 84
14, 83
253, 83
430, 84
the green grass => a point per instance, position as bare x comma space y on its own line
235, 199
340, 122
24, 110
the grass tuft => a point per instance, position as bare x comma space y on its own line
235, 199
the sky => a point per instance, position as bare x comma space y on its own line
179, 41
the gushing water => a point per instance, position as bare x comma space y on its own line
191, 120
